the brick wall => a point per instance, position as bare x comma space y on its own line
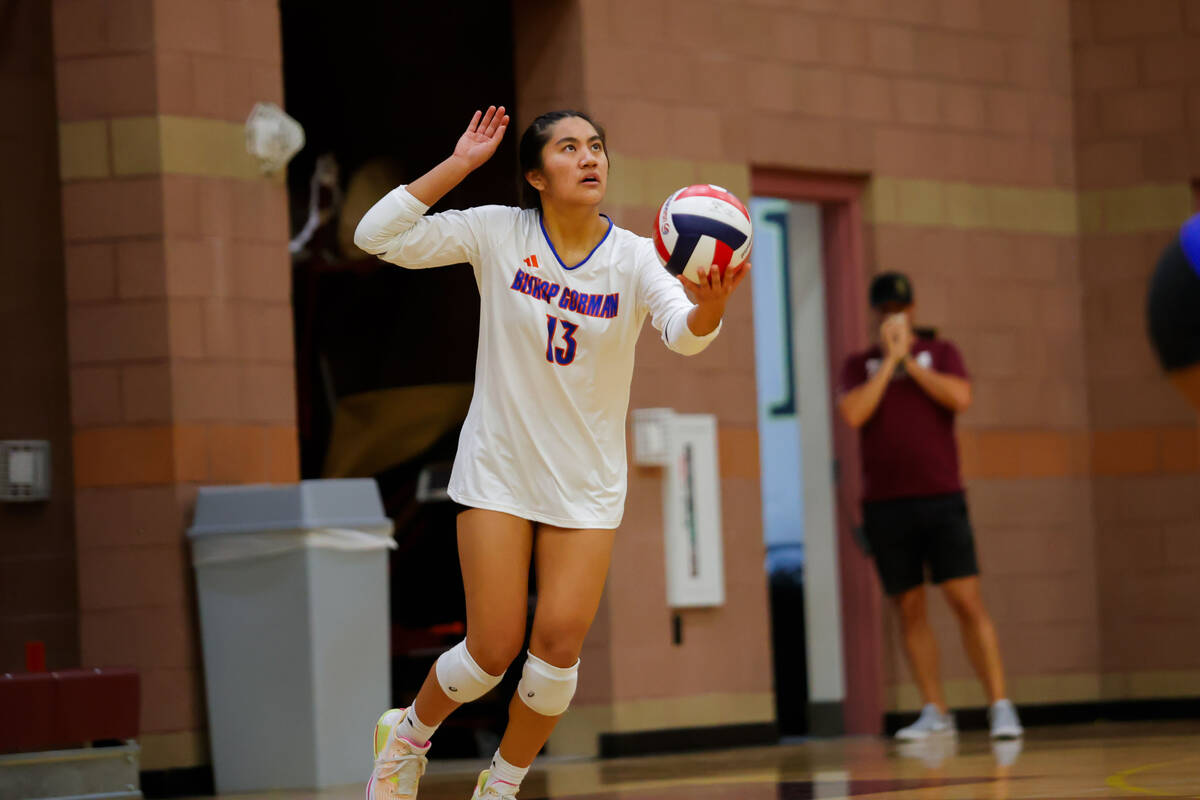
178, 318
961, 111
1027, 161
1138, 135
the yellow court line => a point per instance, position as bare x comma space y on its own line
1117, 779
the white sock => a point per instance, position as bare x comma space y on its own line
503, 772
413, 729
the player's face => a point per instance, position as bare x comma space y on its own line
574, 165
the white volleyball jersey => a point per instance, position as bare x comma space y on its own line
544, 438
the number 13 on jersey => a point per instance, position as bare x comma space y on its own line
560, 355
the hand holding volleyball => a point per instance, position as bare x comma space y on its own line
482, 136
700, 227
703, 235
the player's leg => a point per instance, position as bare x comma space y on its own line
899, 554
571, 569
920, 646
494, 551
956, 569
979, 634
983, 648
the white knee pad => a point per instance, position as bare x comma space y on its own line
460, 677
545, 688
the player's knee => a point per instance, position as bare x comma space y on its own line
496, 651
463, 678
545, 688
559, 640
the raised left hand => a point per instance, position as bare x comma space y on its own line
714, 289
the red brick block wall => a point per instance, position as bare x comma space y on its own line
967, 91
178, 324
1138, 76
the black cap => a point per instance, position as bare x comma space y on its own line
891, 287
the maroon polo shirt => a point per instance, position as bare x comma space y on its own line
908, 446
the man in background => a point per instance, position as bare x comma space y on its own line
903, 395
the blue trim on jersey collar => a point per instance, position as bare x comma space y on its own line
1189, 240
542, 225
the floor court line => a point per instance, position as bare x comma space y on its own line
1119, 780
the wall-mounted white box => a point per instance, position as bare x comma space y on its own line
24, 471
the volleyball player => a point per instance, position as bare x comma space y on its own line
540, 471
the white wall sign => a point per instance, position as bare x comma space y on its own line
692, 514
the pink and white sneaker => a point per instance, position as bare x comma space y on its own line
494, 792
399, 764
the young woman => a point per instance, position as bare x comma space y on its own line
541, 470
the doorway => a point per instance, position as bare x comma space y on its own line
811, 258
796, 454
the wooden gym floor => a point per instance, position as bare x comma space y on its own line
1102, 761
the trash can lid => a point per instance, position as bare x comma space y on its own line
303, 506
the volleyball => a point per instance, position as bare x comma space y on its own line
700, 227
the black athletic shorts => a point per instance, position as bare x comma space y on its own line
1173, 309
910, 533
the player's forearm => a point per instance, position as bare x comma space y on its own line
948, 390
435, 184
859, 404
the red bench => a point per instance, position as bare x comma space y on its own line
67, 708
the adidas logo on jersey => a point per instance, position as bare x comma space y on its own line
531, 262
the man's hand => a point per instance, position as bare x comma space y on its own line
897, 337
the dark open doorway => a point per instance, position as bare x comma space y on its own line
385, 357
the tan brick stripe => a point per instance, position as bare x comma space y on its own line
1133, 209
164, 144
646, 182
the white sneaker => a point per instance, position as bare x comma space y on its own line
1004, 720
399, 764
492, 792
931, 723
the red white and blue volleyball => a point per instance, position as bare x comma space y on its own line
701, 227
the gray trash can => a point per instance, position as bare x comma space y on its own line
292, 584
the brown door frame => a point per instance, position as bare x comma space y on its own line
841, 201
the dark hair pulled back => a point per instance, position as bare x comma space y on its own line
534, 139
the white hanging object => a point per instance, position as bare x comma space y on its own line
272, 136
